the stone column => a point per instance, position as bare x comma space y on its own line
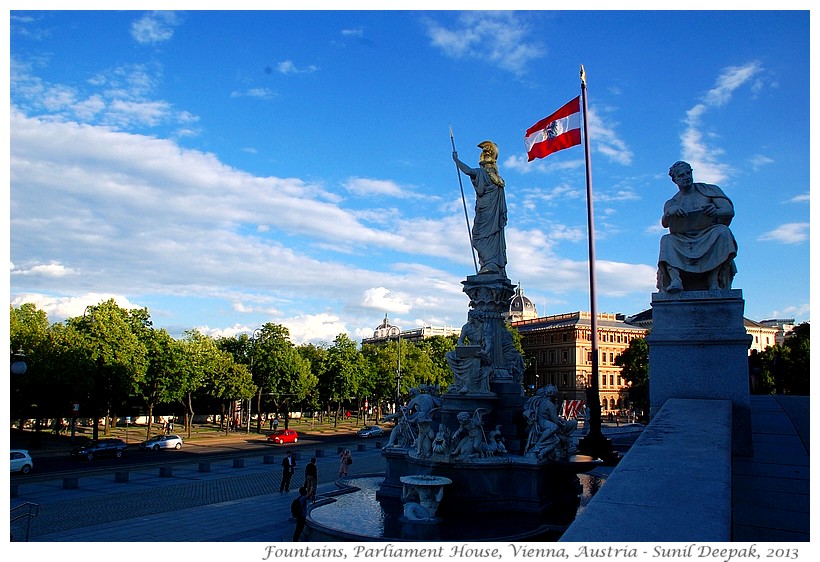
698, 348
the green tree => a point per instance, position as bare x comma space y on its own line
28, 336
340, 378
634, 363
783, 368
436, 348
164, 376
796, 375
382, 362
116, 358
214, 373
279, 370
315, 355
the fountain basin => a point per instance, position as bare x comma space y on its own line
354, 514
428, 490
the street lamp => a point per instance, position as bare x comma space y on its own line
89, 313
395, 330
18, 365
254, 338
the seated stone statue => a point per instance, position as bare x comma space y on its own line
549, 434
470, 361
699, 251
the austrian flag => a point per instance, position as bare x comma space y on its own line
560, 130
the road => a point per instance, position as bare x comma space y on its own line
56, 462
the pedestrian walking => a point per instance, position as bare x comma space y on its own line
311, 479
288, 468
299, 510
276, 422
346, 459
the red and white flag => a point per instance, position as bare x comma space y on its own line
560, 130
571, 408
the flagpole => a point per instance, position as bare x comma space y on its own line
464, 202
593, 443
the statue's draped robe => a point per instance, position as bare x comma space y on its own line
699, 251
489, 223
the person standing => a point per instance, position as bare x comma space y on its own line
276, 422
288, 468
346, 459
311, 479
301, 517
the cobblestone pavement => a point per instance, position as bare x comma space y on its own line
190, 505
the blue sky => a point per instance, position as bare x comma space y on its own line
227, 169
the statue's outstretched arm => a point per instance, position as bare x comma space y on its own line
464, 167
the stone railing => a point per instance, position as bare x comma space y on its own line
673, 485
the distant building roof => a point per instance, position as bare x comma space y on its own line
578, 318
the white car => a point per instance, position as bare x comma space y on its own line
21, 461
162, 442
370, 431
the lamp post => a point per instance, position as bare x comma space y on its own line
397, 331
95, 431
255, 336
18, 365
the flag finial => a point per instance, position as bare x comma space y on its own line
583, 76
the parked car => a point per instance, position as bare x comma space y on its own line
158, 442
100, 448
370, 431
21, 461
283, 436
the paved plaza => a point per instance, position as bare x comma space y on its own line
233, 503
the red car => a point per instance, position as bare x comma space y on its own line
283, 436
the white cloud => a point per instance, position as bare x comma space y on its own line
698, 146
259, 93
789, 233
314, 328
120, 99
499, 38
44, 270
59, 308
605, 139
366, 187
758, 161
379, 298
289, 67
155, 27
802, 198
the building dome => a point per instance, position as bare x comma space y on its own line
521, 308
385, 330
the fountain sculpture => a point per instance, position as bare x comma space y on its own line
524, 468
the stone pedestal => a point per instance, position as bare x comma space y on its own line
698, 348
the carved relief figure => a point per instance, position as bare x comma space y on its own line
490, 210
425, 437
699, 251
469, 437
422, 404
402, 434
